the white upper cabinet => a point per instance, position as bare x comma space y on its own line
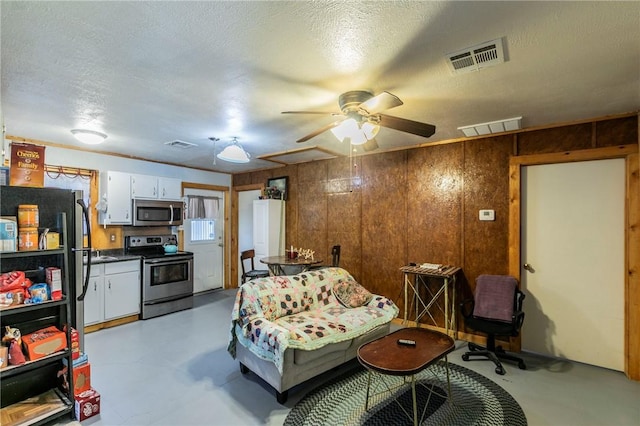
143, 186
153, 187
114, 206
169, 188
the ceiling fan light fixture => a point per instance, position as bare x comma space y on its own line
89, 137
370, 130
357, 134
234, 153
345, 129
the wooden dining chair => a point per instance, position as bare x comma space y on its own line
335, 259
252, 273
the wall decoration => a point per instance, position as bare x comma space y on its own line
27, 165
277, 187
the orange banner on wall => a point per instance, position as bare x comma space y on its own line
27, 165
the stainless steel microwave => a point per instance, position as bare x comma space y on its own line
157, 213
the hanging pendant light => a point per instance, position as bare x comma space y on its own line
234, 153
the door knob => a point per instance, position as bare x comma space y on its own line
528, 267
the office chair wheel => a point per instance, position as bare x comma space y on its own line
465, 357
500, 370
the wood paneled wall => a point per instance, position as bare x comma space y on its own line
421, 204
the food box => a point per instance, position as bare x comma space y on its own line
44, 342
8, 233
54, 279
52, 241
87, 404
75, 344
4, 356
81, 378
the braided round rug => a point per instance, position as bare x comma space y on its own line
476, 401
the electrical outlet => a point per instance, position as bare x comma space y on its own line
113, 238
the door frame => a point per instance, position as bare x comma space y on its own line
227, 227
632, 234
235, 254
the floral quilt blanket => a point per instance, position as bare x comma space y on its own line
305, 311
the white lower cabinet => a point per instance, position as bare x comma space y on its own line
94, 300
114, 291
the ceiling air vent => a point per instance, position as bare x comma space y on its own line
180, 144
474, 58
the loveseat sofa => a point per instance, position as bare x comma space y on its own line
288, 329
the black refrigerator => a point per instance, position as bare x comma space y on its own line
61, 211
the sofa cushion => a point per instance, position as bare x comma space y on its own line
351, 294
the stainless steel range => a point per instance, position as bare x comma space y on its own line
167, 278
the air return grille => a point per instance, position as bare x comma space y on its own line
180, 144
476, 57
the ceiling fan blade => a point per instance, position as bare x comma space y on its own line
407, 126
311, 112
320, 130
379, 103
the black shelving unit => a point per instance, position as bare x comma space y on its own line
35, 393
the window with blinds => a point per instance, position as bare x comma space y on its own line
202, 230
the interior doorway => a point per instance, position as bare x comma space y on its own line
242, 226
573, 252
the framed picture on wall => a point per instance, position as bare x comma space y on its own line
277, 187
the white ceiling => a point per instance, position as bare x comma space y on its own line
148, 72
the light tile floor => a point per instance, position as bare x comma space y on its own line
175, 370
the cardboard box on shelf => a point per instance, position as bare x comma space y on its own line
4, 356
81, 378
54, 279
44, 342
75, 344
87, 404
52, 240
8, 233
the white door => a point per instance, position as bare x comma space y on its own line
205, 238
573, 242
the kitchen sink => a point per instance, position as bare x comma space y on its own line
100, 258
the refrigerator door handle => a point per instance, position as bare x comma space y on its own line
85, 213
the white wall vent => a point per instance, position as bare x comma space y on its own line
180, 144
474, 58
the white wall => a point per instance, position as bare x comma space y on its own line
89, 160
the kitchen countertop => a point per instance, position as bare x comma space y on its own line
110, 256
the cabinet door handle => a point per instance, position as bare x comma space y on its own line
109, 284
95, 286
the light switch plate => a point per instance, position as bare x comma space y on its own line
487, 215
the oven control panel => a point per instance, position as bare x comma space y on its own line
150, 240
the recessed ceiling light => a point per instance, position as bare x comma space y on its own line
90, 137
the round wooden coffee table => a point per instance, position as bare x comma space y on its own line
389, 357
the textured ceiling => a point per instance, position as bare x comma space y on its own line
147, 73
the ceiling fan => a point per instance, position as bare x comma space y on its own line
362, 118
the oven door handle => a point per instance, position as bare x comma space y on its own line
167, 261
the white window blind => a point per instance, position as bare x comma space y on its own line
202, 230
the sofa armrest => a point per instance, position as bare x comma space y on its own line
384, 303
